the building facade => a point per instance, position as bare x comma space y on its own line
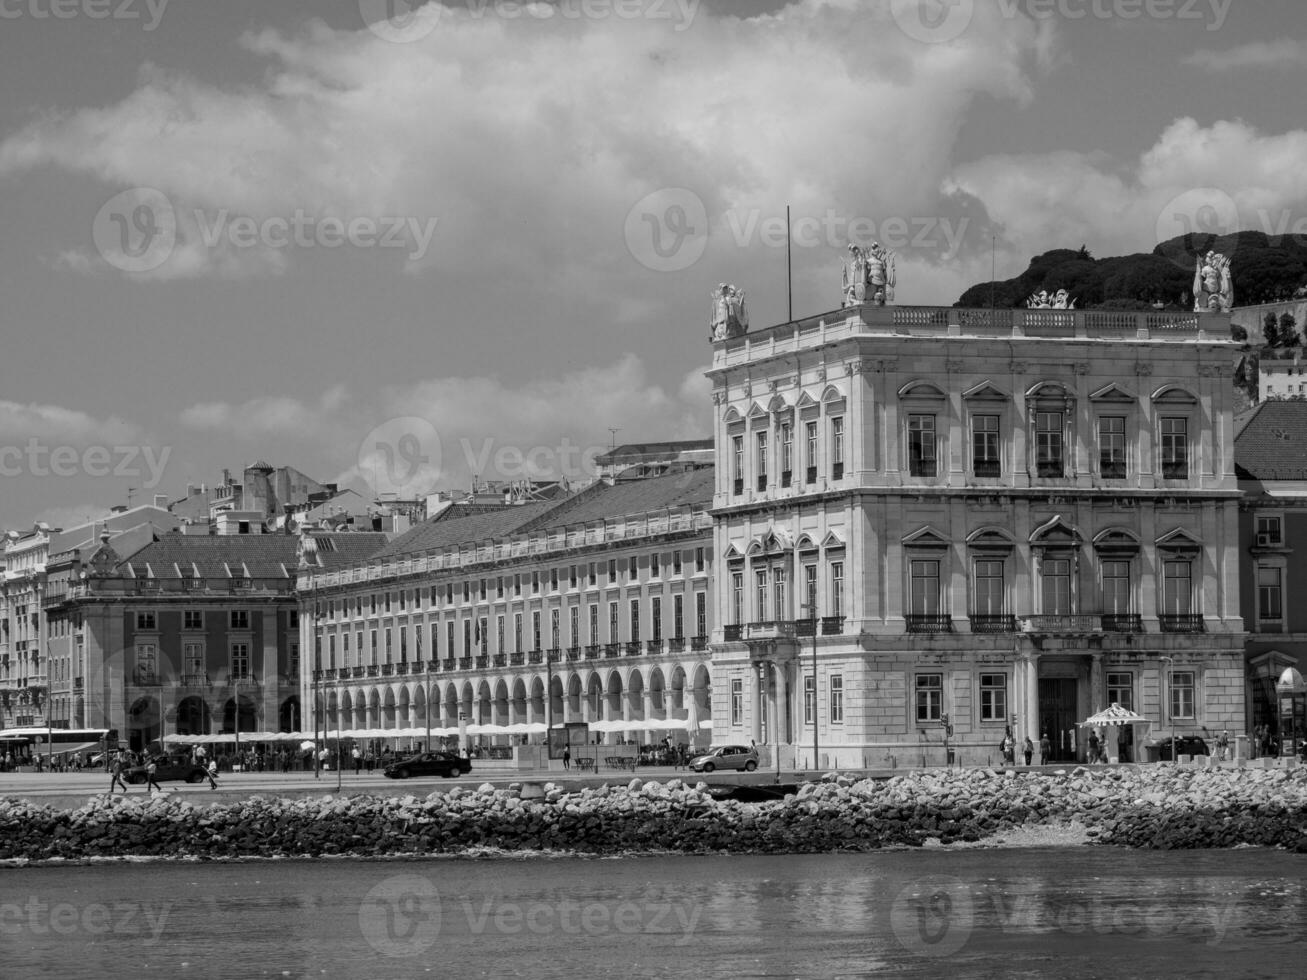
934, 525
569, 612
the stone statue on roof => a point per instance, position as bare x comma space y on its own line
729, 317
880, 275
1213, 284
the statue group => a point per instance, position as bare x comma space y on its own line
729, 317
1213, 284
1042, 300
869, 276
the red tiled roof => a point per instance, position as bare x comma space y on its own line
1270, 443
625, 499
265, 555
463, 525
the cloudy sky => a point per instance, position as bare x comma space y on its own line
393, 246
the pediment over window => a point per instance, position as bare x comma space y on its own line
986, 391
805, 400
732, 553
732, 415
921, 389
1117, 541
1270, 665
758, 411
832, 540
1049, 389
990, 539
833, 393
1174, 395
776, 540
756, 548
805, 542
1056, 533
778, 405
1112, 393
925, 537
1179, 540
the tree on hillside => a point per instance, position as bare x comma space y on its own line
1271, 330
1289, 331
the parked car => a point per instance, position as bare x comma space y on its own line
726, 757
445, 764
1184, 745
172, 768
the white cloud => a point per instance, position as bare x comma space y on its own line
267, 415
53, 424
1283, 53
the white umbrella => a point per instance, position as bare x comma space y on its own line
706, 724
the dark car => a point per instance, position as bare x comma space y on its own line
429, 764
1190, 745
168, 767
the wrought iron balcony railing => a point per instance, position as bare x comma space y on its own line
929, 623
1123, 623
464, 663
501, 660
1181, 623
573, 653
992, 623
676, 644
1066, 624
832, 626
612, 650
633, 648
732, 633
699, 644
653, 647
516, 659
592, 651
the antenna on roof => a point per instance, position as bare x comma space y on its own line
614, 434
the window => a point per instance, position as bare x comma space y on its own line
1121, 690
144, 621
467, 638
403, 644
612, 622
449, 637
535, 630
388, 644
574, 622
594, 622
778, 592
1175, 449
417, 636
571, 576
760, 577
594, 580
810, 457
1116, 587
924, 592
655, 566
921, 445
1182, 695
837, 699
809, 699
678, 616
240, 660
633, 568
655, 619
146, 663
386, 604
553, 580
737, 597
517, 585
760, 460
993, 697
930, 697
701, 613
1111, 447
535, 582
737, 702
1048, 444
984, 446
359, 645
787, 452
635, 619
809, 610
517, 632
837, 588
699, 560
1269, 531
555, 637
1055, 585
612, 571
1177, 588
989, 594
676, 563
737, 463
837, 448
193, 659
240, 619
373, 638
435, 641
193, 619
1269, 606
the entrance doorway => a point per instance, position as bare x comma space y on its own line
1057, 715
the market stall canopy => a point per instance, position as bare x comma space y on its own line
1114, 715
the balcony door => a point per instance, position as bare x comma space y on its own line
1057, 716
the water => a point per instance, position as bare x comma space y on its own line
974, 913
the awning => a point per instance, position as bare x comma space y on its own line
1114, 715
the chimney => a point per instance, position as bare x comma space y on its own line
161, 501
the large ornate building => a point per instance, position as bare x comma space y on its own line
933, 525
600, 599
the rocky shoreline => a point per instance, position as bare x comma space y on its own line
1153, 807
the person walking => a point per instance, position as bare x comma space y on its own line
1029, 750
567, 758
1093, 746
1045, 749
1222, 746
116, 766
151, 768
358, 760
212, 773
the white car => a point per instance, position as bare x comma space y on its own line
726, 757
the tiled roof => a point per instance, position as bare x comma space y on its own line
327, 550
1272, 442
464, 525
264, 555
624, 499
645, 450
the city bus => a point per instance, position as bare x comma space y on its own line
21, 746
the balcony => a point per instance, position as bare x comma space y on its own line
1067, 625
738, 487
553, 655
786, 479
196, 680
573, 654
501, 660
811, 474
987, 469
929, 623
990, 623
633, 648
387, 670
1175, 470
1123, 623
837, 471
1181, 623
612, 651
592, 652
770, 630
483, 662
535, 657
832, 626
433, 665
374, 670
451, 663
676, 644
329, 674
464, 663
360, 671
653, 647
516, 659
732, 634
402, 668
762, 482
699, 644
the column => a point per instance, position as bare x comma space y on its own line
755, 702
647, 707
1097, 688
782, 705
1032, 699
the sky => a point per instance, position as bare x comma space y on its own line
395, 246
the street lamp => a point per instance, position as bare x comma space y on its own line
810, 607
1170, 664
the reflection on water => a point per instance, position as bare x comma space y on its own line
974, 913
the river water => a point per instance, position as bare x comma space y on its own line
1067, 912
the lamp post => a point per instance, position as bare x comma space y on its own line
549, 703
1162, 707
810, 607
426, 689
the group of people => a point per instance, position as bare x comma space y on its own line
1008, 749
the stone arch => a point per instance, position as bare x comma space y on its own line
658, 693
389, 716
635, 693
519, 709
373, 719
193, 716
613, 694
289, 716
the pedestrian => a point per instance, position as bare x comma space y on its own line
1222, 745
1008, 747
151, 768
1093, 746
358, 760
1029, 750
1045, 749
116, 766
567, 758
212, 773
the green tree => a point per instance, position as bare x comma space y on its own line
1289, 330
1271, 330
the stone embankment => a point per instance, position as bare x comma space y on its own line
1153, 807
